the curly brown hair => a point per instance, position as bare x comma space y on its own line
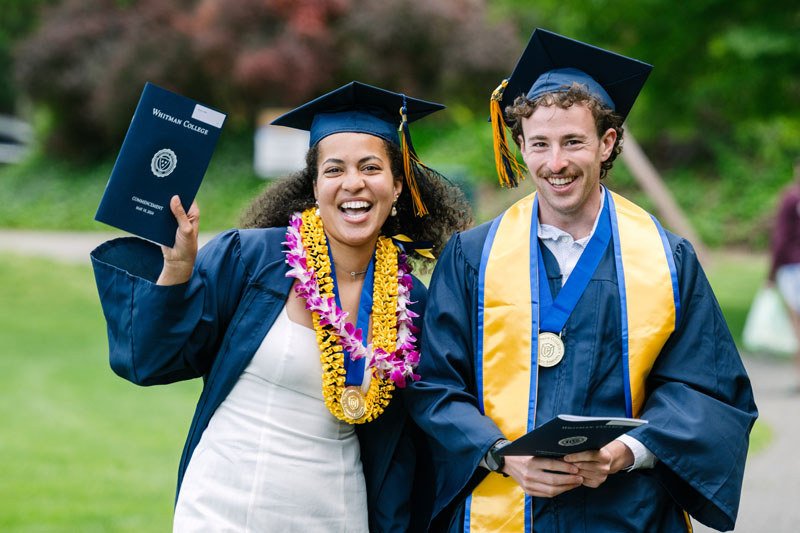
604, 116
448, 210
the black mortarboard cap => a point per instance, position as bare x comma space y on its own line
361, 108
619, 77
356, 107
548, 64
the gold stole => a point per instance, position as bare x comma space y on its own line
648, 290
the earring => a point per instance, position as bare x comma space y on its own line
394, 207
316, 212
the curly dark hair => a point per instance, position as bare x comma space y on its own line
604, 116
448, 210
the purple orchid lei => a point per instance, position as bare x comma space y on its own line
397, 365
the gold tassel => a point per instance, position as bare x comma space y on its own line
509, 169
412, 166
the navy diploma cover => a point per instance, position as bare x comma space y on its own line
567, 434
166, 151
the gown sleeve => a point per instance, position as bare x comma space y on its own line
162, 334
699, 405
443, 402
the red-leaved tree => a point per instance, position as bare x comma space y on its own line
89, 59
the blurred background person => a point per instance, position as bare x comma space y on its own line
785, 247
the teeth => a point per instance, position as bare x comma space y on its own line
561, 181
355, 205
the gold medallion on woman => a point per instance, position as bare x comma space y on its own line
353, 404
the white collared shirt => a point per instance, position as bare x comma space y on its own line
567, 252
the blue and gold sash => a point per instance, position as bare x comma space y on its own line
508, 326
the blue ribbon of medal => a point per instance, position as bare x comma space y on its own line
554, 313
355, 369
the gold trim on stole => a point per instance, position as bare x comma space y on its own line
498, 503
648, 290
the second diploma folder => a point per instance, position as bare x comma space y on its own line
166, 151
567, 434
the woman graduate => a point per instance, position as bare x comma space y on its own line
303, 329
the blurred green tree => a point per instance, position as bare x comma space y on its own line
720, 65
719, 117
720, 114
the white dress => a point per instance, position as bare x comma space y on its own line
273, 458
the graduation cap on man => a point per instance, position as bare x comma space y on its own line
361, 108
552, 63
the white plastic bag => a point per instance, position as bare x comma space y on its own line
767, 327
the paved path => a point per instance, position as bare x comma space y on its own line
73, 247
771, 492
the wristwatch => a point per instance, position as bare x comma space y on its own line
495, 461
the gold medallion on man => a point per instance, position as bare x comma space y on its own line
551, 349
353, 404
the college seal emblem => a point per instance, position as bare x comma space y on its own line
163, 163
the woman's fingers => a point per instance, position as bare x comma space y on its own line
179, 260
188, 223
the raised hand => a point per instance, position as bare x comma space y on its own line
179, 260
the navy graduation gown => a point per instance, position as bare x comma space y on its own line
212, 325
699, 401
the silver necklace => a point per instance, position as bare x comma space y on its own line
354, 274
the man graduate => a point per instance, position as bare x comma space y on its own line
576, 301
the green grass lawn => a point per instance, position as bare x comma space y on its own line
49, 193
735, 279
84, 450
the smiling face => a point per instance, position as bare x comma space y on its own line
355, 189
563, 152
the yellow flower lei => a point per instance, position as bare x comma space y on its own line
384, 320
